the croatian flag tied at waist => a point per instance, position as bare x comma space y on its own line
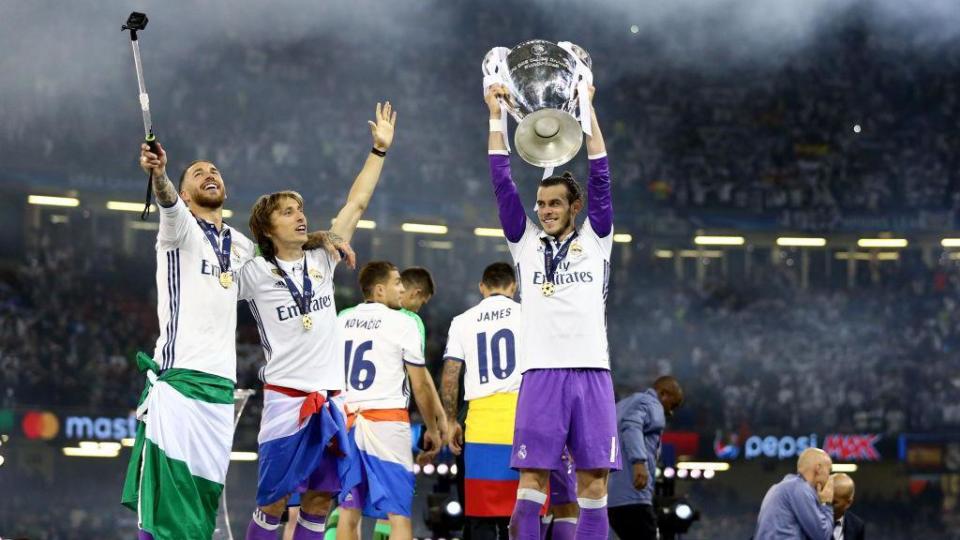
297, 431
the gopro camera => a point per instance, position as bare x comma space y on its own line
136, 21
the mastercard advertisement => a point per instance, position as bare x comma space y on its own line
46, 425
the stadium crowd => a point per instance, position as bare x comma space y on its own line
756, 139
758, 352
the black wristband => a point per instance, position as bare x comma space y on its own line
376, 152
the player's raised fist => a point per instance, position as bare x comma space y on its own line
493, 95
382, 128
150, 162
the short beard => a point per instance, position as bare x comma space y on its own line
212, 202
564, 227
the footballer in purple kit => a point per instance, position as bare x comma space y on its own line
566, 397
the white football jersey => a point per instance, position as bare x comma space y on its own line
377, 342
198, 317
486, 339
299, 358
569, 328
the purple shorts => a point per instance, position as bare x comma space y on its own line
572, 408
563, 483
324, 479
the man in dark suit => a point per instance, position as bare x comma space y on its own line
846, 524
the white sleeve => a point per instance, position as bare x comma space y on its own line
410, 346
530, 234
175, 222
454, 349
246, 277
589, 235
325, 262
245, 250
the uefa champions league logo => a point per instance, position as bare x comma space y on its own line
522, 452
538, 49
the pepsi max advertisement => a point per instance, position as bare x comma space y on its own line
842, 447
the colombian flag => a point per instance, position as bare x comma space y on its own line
491, 485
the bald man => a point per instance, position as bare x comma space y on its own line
800, 505
641, 419
846, 525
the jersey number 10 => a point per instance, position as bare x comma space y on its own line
500, 371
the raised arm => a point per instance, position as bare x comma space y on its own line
363, 186
513, 219
156, 164
599, 203
175, 219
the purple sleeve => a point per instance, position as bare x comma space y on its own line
512, 217
599, 204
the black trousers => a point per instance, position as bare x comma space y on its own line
486, 528
633, 522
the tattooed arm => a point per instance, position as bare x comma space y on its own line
333, 244
156, 164
449, 393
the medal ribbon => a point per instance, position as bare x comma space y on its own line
302, 300
551, 263
223, 255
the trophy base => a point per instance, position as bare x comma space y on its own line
548, 138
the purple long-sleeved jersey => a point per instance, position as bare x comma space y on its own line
512, 215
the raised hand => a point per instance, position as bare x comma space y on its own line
826, 491
153, 163
493, 95
382, 129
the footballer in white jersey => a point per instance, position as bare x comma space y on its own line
566, 397
290, 291
484, 341
198, 315
384, 364
187, 412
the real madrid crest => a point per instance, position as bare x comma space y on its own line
315, 274
576, 250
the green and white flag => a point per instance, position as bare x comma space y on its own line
180, 457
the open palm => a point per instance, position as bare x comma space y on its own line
382, 129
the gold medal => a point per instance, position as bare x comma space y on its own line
307, 322
548, 288
226, 279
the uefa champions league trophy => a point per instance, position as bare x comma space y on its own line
548, 85
223, 532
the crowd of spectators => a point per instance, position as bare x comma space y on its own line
755, 353
761, 356
766, 139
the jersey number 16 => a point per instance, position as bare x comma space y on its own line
360, 372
